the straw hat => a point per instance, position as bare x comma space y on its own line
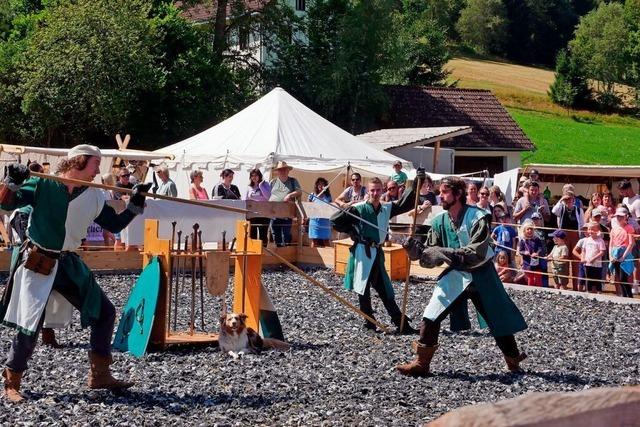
282, 165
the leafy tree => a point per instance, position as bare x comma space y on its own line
570, 88
632, 17
538, 29
599, 44
417, 45
337, 68
483, 25
85, 69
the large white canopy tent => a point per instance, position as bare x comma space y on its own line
274, 128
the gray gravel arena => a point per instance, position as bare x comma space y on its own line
335, 374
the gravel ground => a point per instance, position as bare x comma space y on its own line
336, 374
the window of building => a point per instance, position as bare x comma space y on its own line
301, 5
243, 39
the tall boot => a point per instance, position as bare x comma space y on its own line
49, 338
100, 373
513, 363
12, 380
420, 366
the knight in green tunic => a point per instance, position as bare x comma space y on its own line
460, 237
46, 268
365, 267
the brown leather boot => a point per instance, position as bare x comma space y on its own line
12, 382
513, 363
100, 374
420, 366
49, 338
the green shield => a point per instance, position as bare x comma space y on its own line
137, 317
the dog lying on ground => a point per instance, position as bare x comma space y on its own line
236, 339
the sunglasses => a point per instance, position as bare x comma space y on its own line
355, 179
125, 175
484, 194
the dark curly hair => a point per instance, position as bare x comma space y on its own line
458, 187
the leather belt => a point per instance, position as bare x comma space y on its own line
48, 254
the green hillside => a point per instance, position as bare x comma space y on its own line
572, 140
576, 137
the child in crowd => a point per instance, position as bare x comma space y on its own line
503, 268
558, 257
536, 217
590, 250
531, 248
505, 236
620, 246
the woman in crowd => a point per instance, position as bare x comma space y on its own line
225, 189
196, 190
472, 193
259, 190
320, 228
483, 200
354, 193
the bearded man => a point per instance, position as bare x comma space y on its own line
460, 237
47, 266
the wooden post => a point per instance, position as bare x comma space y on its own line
246, 280
436, 153
160, 248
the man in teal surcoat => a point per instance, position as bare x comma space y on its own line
365, 267
46, 268
460, 237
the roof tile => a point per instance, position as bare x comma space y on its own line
493, 127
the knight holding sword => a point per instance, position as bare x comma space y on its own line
365, 267
46, 272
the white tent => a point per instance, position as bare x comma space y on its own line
276, 127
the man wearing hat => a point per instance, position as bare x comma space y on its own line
284, 188
47, 272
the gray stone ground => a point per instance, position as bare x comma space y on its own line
336, 374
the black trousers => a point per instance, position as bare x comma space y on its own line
260, 229
375, 281
430, 329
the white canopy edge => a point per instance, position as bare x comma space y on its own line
61, 152
614, 171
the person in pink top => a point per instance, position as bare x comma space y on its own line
620, 247
259, 190
196, 190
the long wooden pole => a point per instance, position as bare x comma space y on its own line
330, 291
405, 295
129, 191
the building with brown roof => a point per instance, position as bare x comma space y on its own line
495, 142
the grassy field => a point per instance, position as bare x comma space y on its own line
572, 140
561, 136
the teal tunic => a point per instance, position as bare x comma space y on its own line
365, 233
58, 223
474, 258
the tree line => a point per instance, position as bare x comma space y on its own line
81, 70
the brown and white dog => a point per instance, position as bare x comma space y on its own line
236, 339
